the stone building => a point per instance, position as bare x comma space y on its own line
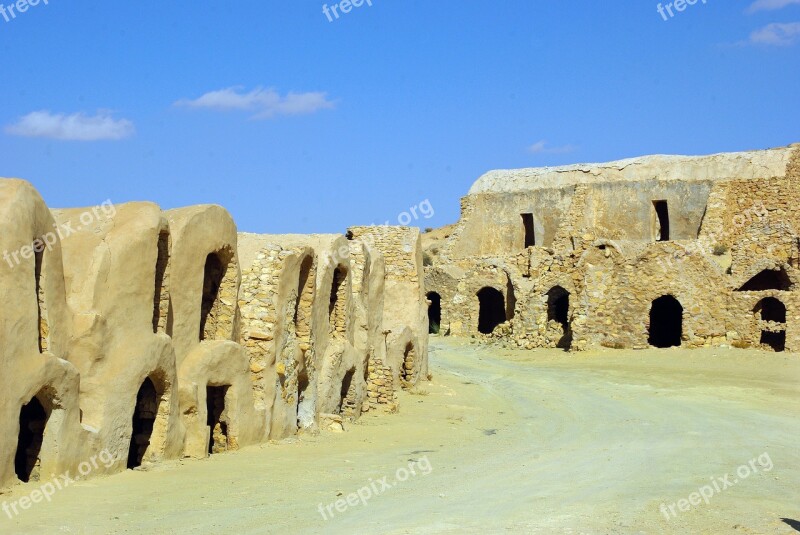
658, 251
154, 335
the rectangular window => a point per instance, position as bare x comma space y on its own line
530, 234
661, 220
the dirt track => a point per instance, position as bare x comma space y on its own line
514, 442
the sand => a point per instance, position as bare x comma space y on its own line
500, 442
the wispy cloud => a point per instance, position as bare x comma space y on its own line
776, 34
263, 103
770, 5
541, 147
74, 127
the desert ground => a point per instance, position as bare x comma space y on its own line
500, 442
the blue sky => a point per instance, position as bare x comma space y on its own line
298, 124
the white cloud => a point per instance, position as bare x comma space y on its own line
770, 5
264, 103
540, 147
75, 127
776, 34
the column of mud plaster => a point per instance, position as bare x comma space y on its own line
41, 434
117, 275
211, 362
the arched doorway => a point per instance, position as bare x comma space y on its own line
666, 322
492, 309
32, 422
144, 418
347, 402
217, 419
558, 311
434, 313
772, 310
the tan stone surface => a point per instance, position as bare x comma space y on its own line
596, 233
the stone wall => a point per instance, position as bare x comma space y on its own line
600, 264
405, 314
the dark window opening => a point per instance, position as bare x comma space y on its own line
666, 322
662, 220
144, 419
217, 419
302, 306
771, 309
336, 310
161, 295
558, 311
777, 341
492, 310
530, 230
769, 279
32, 422
434, 313
213, 274
347, 400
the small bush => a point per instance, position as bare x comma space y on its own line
427, 259
720, 249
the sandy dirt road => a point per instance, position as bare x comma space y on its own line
501, 442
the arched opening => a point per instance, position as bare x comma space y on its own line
144, 419
773, 310
492, 310
217, 418
558, 311
347, 401
768, 279
407, 372
32, 422
161, 293
213, 273
434, 313
337, 309
666, 322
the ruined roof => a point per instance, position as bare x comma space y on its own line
725, 166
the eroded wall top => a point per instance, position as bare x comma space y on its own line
741, 165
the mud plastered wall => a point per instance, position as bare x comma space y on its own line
135, 332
